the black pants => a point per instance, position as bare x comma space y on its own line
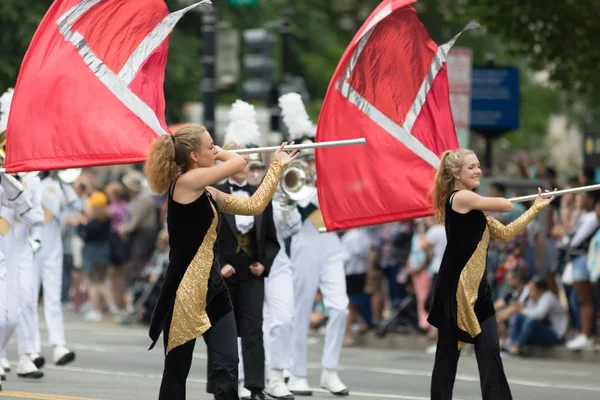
248, 298
221, 343
494, 385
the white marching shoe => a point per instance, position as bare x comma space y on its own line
276, 387
38, 360
62, 355
299, 386
243, 393
5, 364
331, 381
27, 369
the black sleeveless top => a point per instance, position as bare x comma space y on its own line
194, 295
461, 293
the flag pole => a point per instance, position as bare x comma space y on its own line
531, 197
305, 146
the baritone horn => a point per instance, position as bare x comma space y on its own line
298, 181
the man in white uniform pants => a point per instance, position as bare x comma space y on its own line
16, 210
279, 302
56, 199
318, 263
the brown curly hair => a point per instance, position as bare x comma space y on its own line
168, 156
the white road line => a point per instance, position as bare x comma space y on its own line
203, 381
349, 367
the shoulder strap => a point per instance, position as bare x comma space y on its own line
172, 185
452, 196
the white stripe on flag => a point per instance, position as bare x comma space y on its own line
152, 41
402, 133
118, 85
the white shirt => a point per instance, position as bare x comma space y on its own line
357, 244
436, 237
587, 224
244, 223
548, 307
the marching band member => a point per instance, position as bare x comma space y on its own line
16, 208
26, 239
278, 310
318, 262
279, 300
57, 198
247, 247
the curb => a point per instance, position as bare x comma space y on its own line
410, 342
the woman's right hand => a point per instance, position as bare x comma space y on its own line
219, 153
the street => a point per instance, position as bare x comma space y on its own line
112, 363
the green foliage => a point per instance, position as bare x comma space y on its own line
531, 34
18, 22
537, 104
557, 36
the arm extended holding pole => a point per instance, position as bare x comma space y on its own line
531, 197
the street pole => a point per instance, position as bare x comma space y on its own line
209, 78
286, 41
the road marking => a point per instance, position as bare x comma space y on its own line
41, 396
472, 378
203, 382
315, 366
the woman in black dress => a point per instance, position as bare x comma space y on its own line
462, 307
194, 300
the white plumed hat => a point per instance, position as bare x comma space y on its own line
243, 129
295, 117
5, 101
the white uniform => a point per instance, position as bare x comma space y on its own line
278, 311
19, 229
318, 262
57, 198
25, 236
9, 275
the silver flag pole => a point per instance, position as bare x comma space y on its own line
318, 145
579, 189
305, 146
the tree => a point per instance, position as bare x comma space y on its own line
18, 22
557, 36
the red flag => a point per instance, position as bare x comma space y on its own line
391, 87
90, 88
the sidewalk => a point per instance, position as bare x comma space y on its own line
413, 342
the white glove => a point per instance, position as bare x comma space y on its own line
35, 244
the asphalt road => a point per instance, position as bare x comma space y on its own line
112, 363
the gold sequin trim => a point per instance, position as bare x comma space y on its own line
468, 289
257, 203
189, 312
508, 232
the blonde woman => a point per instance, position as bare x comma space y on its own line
462, 307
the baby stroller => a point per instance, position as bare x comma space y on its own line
146, 289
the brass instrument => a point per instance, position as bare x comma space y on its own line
297, 183
70, 175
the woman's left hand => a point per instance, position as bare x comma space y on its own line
286, 157
544, 200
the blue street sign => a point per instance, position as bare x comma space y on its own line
495, 99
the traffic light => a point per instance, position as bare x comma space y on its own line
258, 64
